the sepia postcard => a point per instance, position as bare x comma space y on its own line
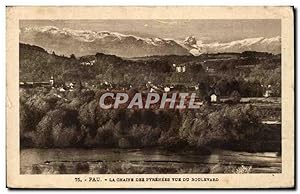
150, 97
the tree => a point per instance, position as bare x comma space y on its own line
72, 56
235, 96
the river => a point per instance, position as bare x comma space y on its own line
122, 161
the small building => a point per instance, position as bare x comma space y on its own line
268, 92
168, 88
180, 68
34, 84
154, 88
88, 63
213, 97
70, 85
22, 84
51, 81
210, 70
92, 62
61, 89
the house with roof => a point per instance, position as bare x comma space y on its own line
213, 97
179, 68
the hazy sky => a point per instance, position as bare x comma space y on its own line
205, 30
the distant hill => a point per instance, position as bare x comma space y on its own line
36, 64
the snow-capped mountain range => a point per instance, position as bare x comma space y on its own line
260, 44
67, 41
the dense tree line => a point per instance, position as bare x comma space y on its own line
75, 120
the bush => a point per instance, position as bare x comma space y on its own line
65, 136
144, 135
82, 168
87, 113
124, 143
107, 135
